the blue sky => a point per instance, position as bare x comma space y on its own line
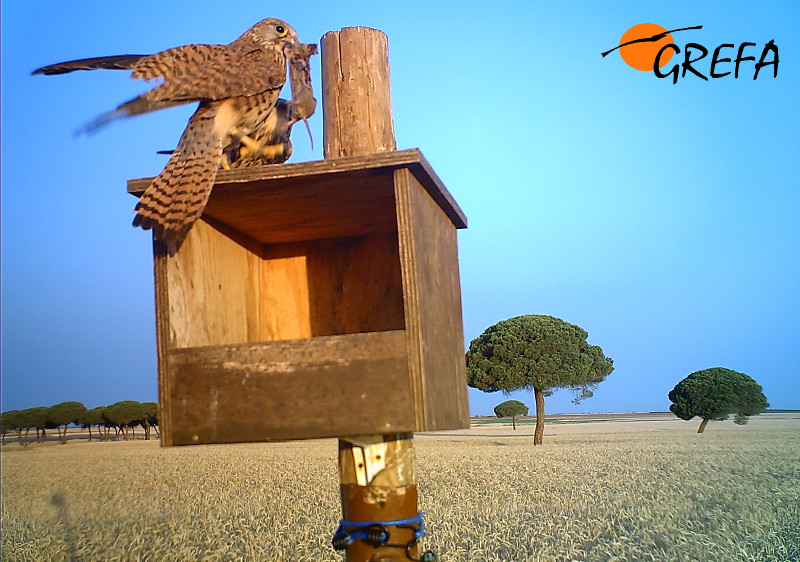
660, 217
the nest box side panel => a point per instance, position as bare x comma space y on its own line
435, 333
213, 285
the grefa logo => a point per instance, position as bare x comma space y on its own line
650, 47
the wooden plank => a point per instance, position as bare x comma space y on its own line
308, 209
356, 94
162, 342
388, 161
425, 175
300, 389
408, 265
429, 257
325, 180
330, 287
212, 295
284, 298
355, 285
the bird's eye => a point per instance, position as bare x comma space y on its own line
280, 29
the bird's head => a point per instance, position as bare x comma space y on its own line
271, 32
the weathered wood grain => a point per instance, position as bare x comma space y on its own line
432, 296
318, 387
357, 190
356, 93
331, 286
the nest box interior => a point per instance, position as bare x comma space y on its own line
318, 299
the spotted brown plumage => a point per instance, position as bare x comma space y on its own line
237, 86
270, 143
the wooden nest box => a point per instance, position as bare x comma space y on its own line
319, 299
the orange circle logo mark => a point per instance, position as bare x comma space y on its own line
641, 43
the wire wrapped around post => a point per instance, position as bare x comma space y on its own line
376, 534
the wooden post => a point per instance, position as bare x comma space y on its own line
356, 95
377, 483
376, 472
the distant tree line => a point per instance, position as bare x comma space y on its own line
123, 417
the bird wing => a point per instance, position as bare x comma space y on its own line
196, 73
114, 62
177, 196
136, 106
212, 72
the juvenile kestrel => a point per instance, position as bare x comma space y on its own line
237, 86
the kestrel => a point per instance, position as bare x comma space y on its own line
270, 143
237, 86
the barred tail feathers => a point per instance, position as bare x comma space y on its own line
178, 195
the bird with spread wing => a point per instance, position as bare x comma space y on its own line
270, 143
237, 86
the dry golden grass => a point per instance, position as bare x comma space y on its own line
606, 491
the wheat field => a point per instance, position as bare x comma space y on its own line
617, 490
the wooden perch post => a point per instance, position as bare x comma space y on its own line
376, 472
356, 94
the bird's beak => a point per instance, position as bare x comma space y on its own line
287, 48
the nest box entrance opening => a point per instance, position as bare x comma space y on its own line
306, 292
